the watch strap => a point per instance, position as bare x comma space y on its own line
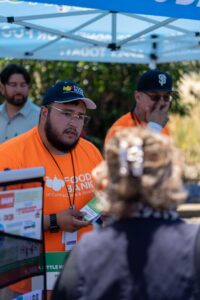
54, 227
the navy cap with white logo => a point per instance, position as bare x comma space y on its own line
154, 81
66, 92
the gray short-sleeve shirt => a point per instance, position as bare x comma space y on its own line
25, 119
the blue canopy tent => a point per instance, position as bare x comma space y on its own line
103, 31
187, 9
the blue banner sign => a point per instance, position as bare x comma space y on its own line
186, 9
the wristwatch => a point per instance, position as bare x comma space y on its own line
54, 227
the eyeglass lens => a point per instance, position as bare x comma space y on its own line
71, 115
157, 97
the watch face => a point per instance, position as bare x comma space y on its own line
54, 227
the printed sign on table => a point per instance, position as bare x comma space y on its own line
21, 212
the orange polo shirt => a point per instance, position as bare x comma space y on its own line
128, 121
27, 151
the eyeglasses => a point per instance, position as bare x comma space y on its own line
69, 115
157, 97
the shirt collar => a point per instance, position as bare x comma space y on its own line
3, 108
26, 108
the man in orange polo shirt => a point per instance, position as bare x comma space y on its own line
152, 101
68, 159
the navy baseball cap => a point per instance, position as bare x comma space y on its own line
66, 92
154, 81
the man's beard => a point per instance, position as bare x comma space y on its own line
19, 102
54, 140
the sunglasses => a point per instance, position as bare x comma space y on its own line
157, 97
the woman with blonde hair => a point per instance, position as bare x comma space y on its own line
145, 251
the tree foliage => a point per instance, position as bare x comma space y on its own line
111, 86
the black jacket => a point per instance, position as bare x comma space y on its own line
135, 259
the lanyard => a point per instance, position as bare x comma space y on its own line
71, 202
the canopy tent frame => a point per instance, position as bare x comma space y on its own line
130, 43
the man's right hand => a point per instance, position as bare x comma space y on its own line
71, 220
159, 114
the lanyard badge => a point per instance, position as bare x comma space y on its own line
69, 239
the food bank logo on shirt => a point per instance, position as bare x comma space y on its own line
55, 183
81, 182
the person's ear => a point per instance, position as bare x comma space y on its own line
2, 90
44, 112
137, 96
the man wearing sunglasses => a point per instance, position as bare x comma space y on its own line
153, 96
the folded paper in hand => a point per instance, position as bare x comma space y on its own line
92, 212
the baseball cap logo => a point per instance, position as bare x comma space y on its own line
78, 90
73, 88
162, 79
67, 88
